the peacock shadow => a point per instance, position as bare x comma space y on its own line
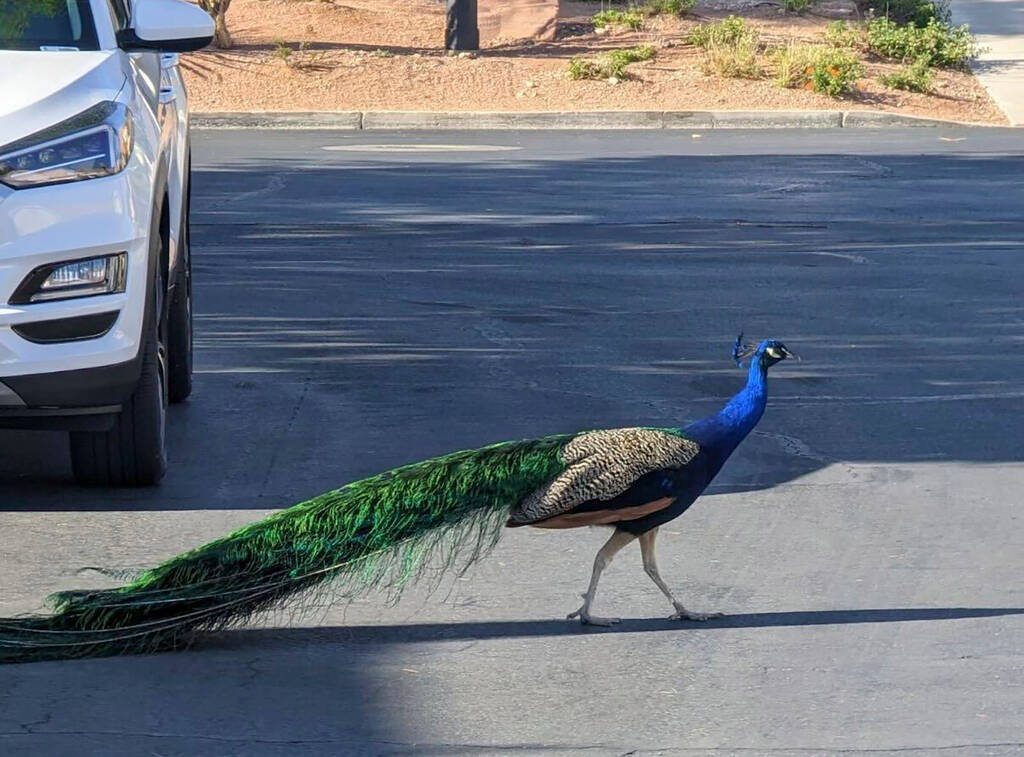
414, 633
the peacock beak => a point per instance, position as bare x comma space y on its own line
789, 355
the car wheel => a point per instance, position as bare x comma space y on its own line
179, 322
132, 452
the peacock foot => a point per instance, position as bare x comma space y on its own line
591, 620
682, 613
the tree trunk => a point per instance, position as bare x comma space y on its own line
218, 9
222, 37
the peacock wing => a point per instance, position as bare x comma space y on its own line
601, 465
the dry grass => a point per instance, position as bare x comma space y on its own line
733, 61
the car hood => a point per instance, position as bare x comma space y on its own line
40, 89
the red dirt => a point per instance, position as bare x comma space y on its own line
294, 55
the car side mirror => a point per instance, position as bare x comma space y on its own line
170, 26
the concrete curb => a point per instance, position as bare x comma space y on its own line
278, 120
609, 119
633, 119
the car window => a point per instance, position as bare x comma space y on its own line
46, 25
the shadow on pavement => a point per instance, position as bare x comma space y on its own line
355, 315
213, 702
426, 632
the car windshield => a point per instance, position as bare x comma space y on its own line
47, 25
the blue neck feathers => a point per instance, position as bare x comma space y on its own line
721, 433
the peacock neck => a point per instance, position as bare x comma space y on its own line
721, 433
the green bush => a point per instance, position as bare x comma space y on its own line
282, 51
611, 64
836, 73
917, 77
667, 7
938, 43
797, 6
821, 69
581, 68
728, 31
841, 34
631, 19
638, 53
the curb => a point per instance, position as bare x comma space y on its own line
277, 120
608, 119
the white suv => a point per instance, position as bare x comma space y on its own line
95, 275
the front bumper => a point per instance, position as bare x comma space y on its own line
83, 399
39, 377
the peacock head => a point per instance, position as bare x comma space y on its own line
766, 354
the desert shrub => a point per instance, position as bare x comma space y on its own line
609, 65
917, 77
728, 31
796, 6
835, 72
282, 51
825, 70
730, 48
634, 54
583, 68
792, 63
667, 7
938, 43
737, 60
842, 34
631, 19
616, 61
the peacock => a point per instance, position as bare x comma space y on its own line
383, 531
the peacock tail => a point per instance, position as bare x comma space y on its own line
370, 533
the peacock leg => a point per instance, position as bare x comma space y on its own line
651, 568
618, 540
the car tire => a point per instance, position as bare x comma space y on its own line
179, 321
132, 452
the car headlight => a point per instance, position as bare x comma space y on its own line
97, 142
69, 279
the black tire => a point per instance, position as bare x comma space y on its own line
132, 452
179, 318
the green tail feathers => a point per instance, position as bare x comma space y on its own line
376, 532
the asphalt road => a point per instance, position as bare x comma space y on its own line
369, 299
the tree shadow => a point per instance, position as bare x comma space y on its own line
993, 66
396, 309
